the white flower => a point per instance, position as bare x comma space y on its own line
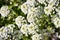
48, 10
58, 11
3, 34
59, 36
20, 21
9, 28
36, 37
33, 14
32, 28
34, 10
52, 2
56, 21
25, 7
41, 1
24, 29
31, 2
30, 18
4, 11
4, 31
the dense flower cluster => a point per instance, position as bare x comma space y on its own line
5, 31
30, 20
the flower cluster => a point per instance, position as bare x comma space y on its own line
5, 31
30, 20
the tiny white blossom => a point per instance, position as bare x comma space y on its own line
3, 34
4, 11
24, 29
4, 31
32, 28
9, 28
36, 37
56, 21
25, 7
48, 10
20, 21
52, 2
33, 14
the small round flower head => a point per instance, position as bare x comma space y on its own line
20, 21
24, 29
4, 11
36, 37
25, 7
9, 28
32, 28
30, 18
34, 10
52, 2
56, 21
2, 33
33, 13
48, 10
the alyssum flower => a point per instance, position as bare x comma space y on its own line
4, 11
